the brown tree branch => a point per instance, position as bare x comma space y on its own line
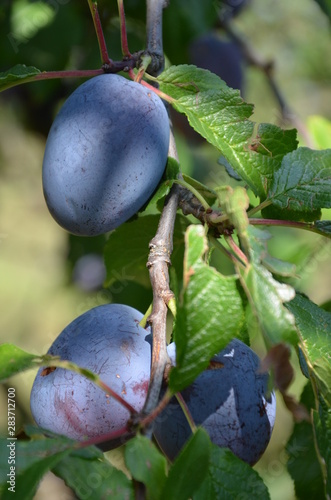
158, 263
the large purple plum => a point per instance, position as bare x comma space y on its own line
105, 154
230, 401
108, 341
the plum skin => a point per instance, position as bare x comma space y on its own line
230, 402
108, 341
105, 154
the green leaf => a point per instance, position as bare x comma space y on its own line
126, 251
303, 464
229, 477
91, 476
16, 75
146, 464
314, 326
220, 115
32, 460
267, 296
189, 469
209, 315
303, 183
14, 360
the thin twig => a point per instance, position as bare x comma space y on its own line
99, 31
124, 37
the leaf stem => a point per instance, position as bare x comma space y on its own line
99, 32
186, 411
55, 362
307, 226
79, 73
124, 37
49, 75
237, 251
259, 207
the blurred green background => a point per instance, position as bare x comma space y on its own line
41, 287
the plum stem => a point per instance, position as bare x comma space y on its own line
99, 32
124, 37
146, 421
110, 436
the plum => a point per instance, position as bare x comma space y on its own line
105, 154
108, 341
230, 400
222, 57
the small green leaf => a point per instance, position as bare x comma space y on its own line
267, 296
229, 478
189, 469
170, 174
303, 463
209, 315
314, 326
221, 116
14, 360
16, 75
126, 251
303, 182
146, 464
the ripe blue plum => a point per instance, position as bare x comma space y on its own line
105, 154
229, 400
222, 57
108, 341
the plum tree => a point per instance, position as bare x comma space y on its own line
105, 154
108, 341
230, 400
